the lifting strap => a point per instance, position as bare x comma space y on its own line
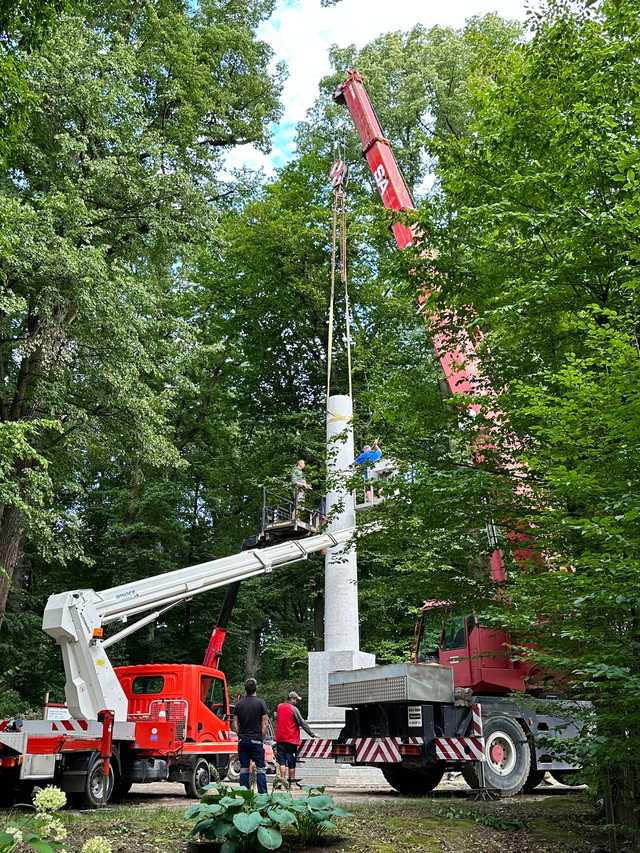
339, 256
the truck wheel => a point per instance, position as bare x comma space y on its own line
508, 758
92, 795
233, 769
199, 779
412, 782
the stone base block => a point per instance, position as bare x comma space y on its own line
323, 719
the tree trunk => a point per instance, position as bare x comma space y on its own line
11, 537
252, 660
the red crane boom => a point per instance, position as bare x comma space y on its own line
458, 359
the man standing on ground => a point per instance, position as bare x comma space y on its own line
289, 721
250, 721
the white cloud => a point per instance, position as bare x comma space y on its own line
302, 31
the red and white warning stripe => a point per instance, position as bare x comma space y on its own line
318, 747
69, 725
476, 720
380, 750
460, 748
338, 173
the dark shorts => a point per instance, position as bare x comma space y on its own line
286, 754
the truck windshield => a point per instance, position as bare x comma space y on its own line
429, 630
454, 634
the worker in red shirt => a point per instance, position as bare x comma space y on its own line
289, 721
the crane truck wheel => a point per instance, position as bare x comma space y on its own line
232, 773
92, 794
507, 767
199, 778
412, 782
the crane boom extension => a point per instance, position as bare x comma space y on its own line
458, 358
75, 618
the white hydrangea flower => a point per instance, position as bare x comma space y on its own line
49, 799
15, 833
56, 830
97, 844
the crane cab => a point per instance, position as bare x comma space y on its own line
480, 657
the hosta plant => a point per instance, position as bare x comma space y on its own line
242, 820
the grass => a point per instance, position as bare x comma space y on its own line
552, 824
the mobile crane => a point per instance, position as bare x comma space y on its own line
450, 707
148, 723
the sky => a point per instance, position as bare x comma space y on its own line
302, 31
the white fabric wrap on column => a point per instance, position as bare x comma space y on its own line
341, 621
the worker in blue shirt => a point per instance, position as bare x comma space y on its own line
368, 457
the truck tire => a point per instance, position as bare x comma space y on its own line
232, 773
92, 794
508, 758
413, 782
199, 778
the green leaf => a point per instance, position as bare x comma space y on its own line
222, 828
192, 811
229, 847
247, 822
270, 837
41, 846
321, 802
282, 816
232, 803
326, 824
338, 811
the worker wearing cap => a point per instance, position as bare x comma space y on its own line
289, 721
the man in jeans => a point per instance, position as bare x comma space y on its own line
250, 721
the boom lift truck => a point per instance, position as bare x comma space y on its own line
450, 708
146, 723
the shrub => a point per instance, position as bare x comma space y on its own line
43, 831
243, 820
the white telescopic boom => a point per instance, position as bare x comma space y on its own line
74, 618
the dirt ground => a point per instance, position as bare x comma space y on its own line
554, 819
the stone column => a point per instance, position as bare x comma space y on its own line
341, 617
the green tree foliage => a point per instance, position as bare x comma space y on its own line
536, 227
109, 185
217, 385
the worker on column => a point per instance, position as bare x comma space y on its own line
300, 486
251, 721
289, 721
370, 454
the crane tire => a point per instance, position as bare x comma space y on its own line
508, 758
413, 782
199, 778
92, 796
